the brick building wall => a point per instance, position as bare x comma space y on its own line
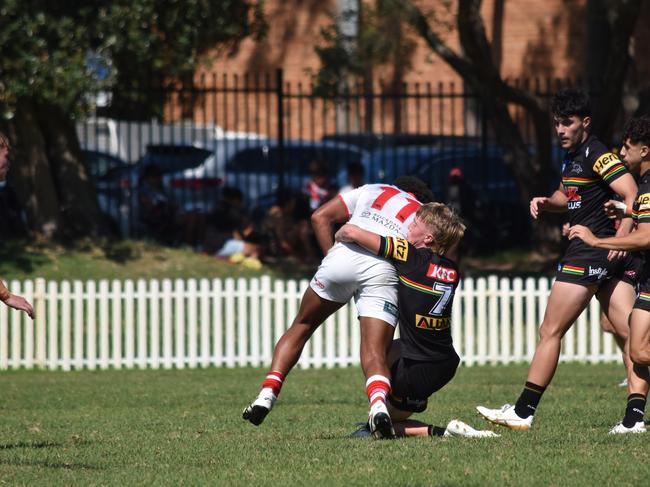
544, 39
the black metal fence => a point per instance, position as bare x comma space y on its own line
260, 134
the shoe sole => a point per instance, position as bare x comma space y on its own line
383, 427
255, 414
516, 427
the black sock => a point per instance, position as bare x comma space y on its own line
436, 431
635, 410
529, 399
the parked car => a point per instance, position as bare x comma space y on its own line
254, 165
197, 186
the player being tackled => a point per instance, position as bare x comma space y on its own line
423, 360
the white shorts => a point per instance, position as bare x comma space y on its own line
349, 271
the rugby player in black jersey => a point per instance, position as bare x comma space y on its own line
423, 360
636, 155
591, 175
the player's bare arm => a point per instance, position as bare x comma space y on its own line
334, 211
556, 203
354, 234
626, 188
637, 240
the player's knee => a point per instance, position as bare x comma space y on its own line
639, 355
550, 331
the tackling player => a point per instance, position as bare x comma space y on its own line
423, 360
11, 300
590, 177
345, 272
636, 154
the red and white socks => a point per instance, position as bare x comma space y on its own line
377, 388
270, 389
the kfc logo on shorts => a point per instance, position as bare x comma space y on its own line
631, 274
441, 273
318, 283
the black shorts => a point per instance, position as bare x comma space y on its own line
413, 381
588, 271
643, 294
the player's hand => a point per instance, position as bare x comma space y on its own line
343, 233
615, 209
565, 229
21, 304
616, 254
583, 233
537, 204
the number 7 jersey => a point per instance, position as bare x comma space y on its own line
427, 283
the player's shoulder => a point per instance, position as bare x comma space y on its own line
594, 150
644, 184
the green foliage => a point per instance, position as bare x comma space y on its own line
45, 45
383, 41
184, 427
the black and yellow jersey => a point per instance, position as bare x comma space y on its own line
427, 283
586, 175
641, 209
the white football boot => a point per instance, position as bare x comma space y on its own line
256, 411
620, 429
458, 428
506, 416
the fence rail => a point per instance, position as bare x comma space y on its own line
236, 322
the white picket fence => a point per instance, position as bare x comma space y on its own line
200, 323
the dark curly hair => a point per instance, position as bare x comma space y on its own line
415, 186
638, 130
569, 101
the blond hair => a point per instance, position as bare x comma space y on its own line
445, 225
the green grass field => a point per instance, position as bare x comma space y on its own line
185, 427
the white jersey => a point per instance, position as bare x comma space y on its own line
381, 208
349, 270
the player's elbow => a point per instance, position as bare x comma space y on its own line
318, 218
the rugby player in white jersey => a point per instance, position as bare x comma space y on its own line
349, 271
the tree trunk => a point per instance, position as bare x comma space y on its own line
621, 17
78, 205
31, 175
49, 177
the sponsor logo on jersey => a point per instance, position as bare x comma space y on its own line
587, 152
597, 271
318, 283
401, 251
644, 201
441, 273
431, 322
575, 200
390, 308
605, 162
